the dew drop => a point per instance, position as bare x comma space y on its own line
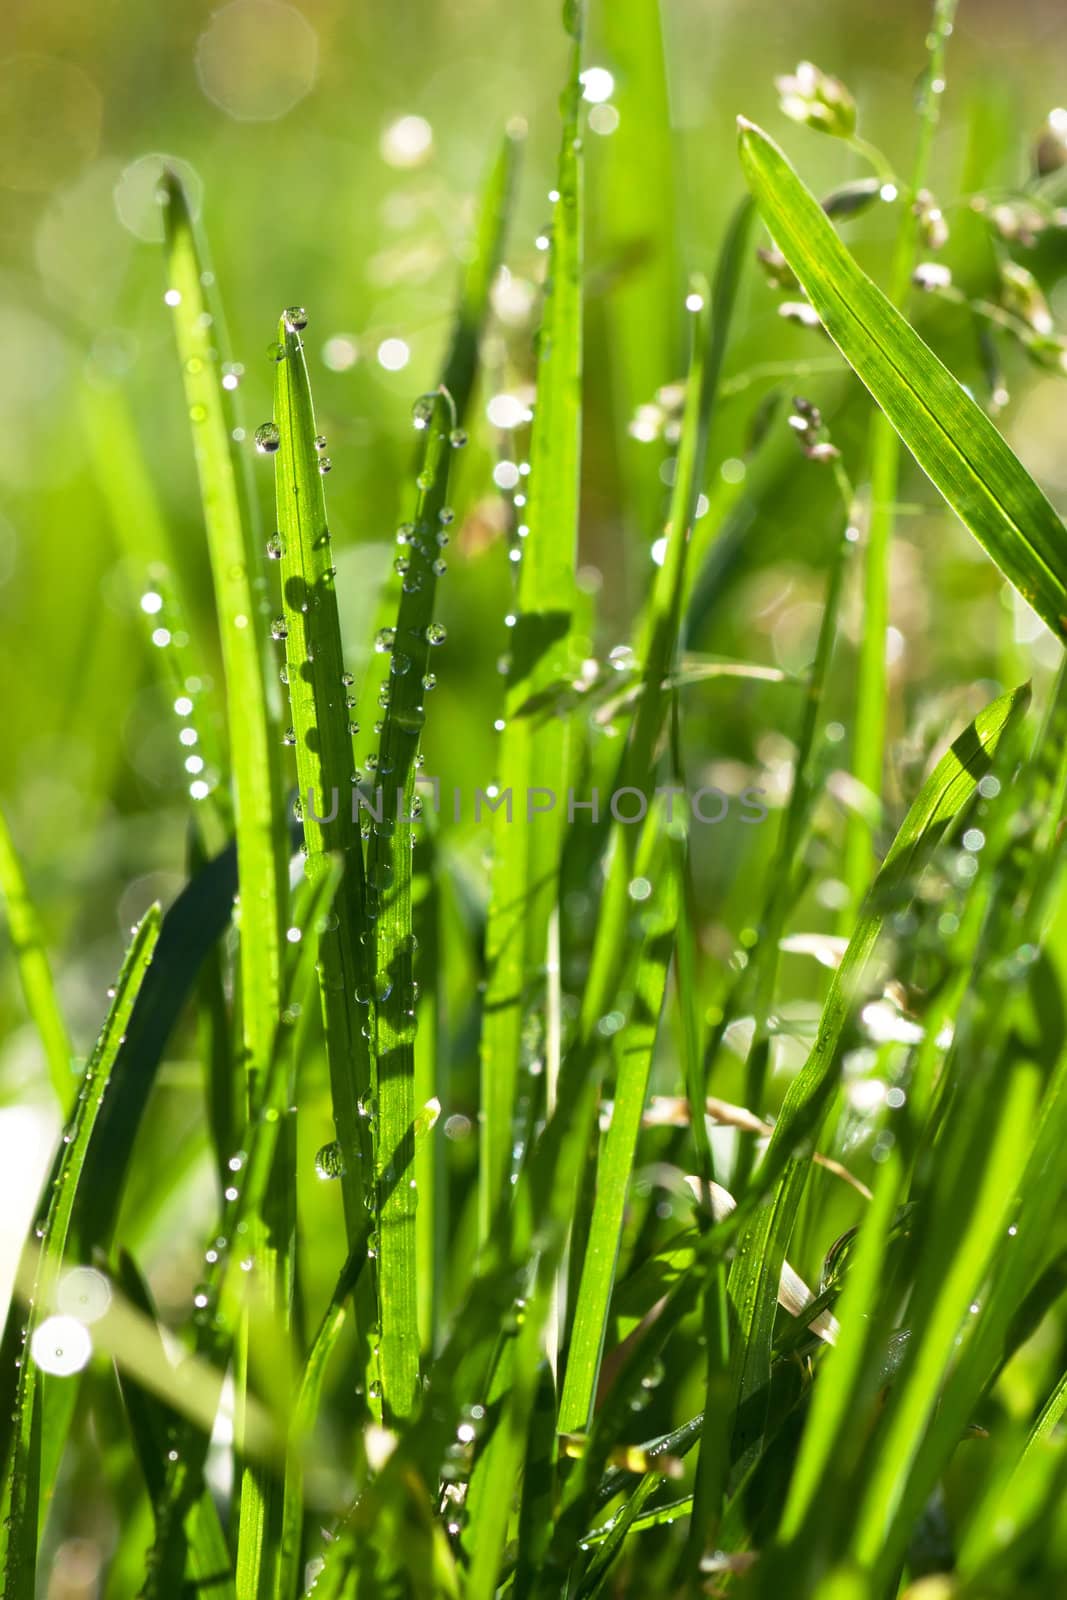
267, 438
329, 1162
325, 465
275, 547
436, 633
295, 318
279, 628
422, 411
385, 639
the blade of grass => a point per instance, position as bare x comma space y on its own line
389, 872
533, 756
239, 601
35, 973
634, 1052
26, 1490
950, 437
319, 699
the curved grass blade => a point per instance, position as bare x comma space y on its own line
949, 435
35, 973
535, 756
25, 1488
319, 696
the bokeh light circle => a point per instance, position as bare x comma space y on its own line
257, 59
50, 115
137, 194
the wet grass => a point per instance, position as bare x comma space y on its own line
517, 1255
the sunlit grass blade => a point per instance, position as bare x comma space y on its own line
25, 1490
949, 435
35, 972
242, 614
535, 755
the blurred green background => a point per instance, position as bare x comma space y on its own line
337, 151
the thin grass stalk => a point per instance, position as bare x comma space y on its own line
868, 747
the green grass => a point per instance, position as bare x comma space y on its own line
452, 1203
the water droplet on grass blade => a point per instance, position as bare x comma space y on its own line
275, 547
436, 633
267, 438
279, 628
329, 1162
422, 410
295, 318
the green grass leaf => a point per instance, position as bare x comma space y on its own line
26, 1487
535, 754
394, 1002
240, 603
319, 686
949, 435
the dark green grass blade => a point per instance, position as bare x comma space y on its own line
535, 755
25, 1490
755, 1273
192, 925
319, 694
35, 973
946, 431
